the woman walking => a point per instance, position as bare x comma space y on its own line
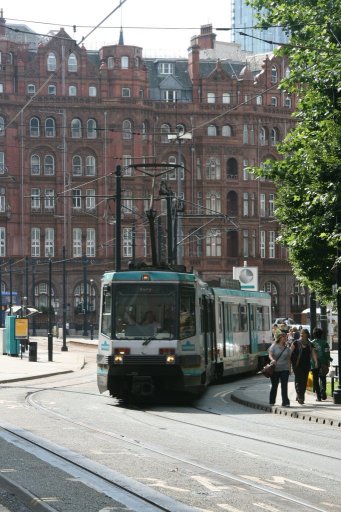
302, 353
280, 356
320, 371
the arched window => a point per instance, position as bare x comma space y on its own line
213, 169
213, 242
274, 75
2, 199
41, 294
165, 131
171, 174
78, 298
92, 91
51, 62
34, 127
272, 289
124, 62
274, 101
232, 203
91, 129
226, 98
211, 130
50, 127
2, 126
90, 166
126, 129
49, 165
213, 202
226, 130
232, 244
287, 102
210, 97
274, 136
127, 202
35, 165
195, 243
144, 130
232, 168
72, 63
263, 136
52, 90
76, 128
77, 166
72, 90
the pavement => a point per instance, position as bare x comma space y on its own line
20, 368
253, 393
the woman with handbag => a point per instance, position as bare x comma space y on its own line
279, 355
323, 358
302, 353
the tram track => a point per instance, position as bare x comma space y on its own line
195, 465
30, 400
123, 491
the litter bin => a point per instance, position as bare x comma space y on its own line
32, 351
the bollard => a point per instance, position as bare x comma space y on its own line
32, 351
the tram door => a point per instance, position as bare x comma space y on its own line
208, 330
252, 329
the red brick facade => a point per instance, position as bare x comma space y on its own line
70, 117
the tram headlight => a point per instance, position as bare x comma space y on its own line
119, 353
170, 359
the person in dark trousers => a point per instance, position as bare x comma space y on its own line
302, 352
280, 355
320, 371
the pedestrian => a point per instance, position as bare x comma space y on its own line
302, 352
280, 356
323, 359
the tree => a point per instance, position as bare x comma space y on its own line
308, 176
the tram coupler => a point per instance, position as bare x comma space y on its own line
142, 386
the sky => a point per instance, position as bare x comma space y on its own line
161, 28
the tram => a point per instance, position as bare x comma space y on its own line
165, 330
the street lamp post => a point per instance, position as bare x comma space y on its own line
64, 346
91, 310
85, 297
49, 334
337, 392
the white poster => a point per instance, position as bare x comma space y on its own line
247, 276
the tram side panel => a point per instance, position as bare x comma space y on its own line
242, 330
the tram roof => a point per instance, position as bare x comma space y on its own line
239, 293
150, 275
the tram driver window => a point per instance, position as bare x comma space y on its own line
187, 312
106, 311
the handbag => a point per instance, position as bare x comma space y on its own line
269, 369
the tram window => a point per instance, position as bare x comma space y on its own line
220, 318
187, 312
243, 318
106, 312
235, 318
262, 318
131, 303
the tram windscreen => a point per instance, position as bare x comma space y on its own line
143, 310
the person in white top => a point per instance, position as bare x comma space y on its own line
280, 356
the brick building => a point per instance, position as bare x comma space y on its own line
188, 128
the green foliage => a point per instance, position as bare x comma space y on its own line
309, 174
